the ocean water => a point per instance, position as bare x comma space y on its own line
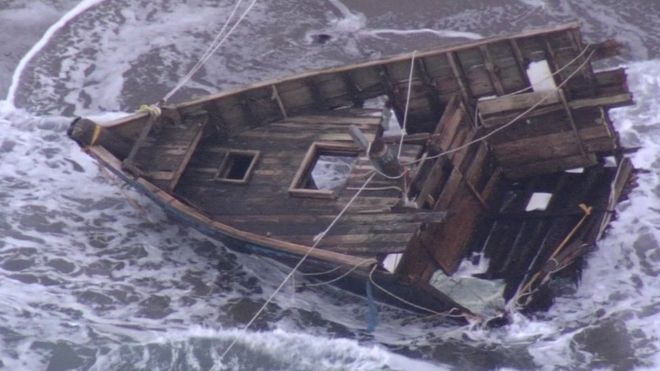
94, 276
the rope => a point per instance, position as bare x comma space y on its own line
385, 188
215, 45
322, 273
405, 112
120, 186
153, 110
444, 314
300, 262
356, 266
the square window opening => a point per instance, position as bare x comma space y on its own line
236, 166
324, 171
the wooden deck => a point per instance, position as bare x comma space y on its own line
264, 206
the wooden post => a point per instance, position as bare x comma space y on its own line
88, 133
358, 137
492, 70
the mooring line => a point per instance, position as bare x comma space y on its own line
353, 268
300, 262
212, 48
405, 112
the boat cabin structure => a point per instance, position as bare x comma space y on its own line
401, 172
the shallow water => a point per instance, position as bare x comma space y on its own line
91, 280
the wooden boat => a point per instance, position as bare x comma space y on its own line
485, 138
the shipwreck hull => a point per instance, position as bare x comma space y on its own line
485, 139
422, 299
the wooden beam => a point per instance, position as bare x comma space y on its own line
128, 162
623, 173
474, 191
490, 67
399, 58
571, 120
352, 88
587, 70
548, 166
612, 101
176, 174
319, 102
431, 92
517, 102
250, 119
391, 90
278, 99
457, 70
552, 61
554, 145
520, 61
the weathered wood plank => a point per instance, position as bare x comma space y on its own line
520, 61
571, 120
517, 102
146, 129
490, 67
555, 145
549, 166
198, 126
320, 119
497, 120
459, 76
449, 240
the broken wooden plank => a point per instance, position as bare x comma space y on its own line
497, 120
555, 145
549, 166
516, 102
